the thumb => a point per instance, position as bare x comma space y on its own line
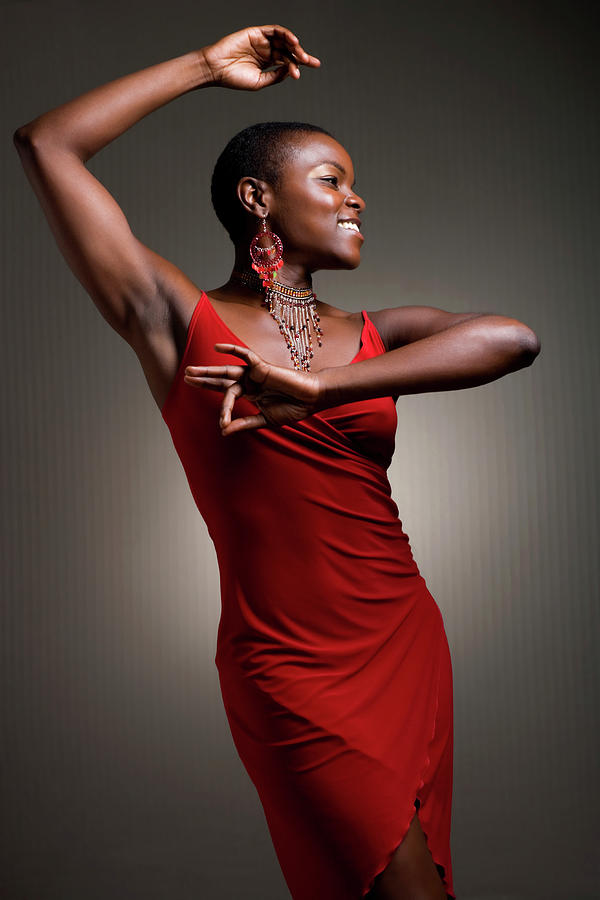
274, 76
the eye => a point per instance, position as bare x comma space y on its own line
330, 178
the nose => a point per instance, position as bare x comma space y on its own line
355, 201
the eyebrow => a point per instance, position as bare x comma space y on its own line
336, 165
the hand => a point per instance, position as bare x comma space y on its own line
282, 395
238, 60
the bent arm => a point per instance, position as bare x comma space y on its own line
121, 275
464, 355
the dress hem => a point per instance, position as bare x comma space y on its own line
387, 857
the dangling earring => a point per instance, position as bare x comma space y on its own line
294, 309
266, 260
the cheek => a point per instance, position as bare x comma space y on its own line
310, 205
308, 216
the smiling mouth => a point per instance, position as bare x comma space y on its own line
350, 226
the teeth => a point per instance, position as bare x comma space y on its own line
351, 225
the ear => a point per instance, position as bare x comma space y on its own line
254, 195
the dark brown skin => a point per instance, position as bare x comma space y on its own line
411, 872
148, 301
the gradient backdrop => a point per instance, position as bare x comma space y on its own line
473, 128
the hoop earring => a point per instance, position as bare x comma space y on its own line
266, 260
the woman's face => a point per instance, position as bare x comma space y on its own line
316, 194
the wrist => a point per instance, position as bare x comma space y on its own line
329, 393
200, 72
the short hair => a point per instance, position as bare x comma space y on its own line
258, 151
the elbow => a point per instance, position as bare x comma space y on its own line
29, 138
518, 340
24, 141
529, 344
21, 137
515, 344
24, 135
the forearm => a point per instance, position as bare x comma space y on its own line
465, 355
91, 121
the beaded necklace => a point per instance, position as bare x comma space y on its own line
294, 311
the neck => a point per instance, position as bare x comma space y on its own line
270, 285
293, 275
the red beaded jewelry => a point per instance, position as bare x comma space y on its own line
294, 309
266, 260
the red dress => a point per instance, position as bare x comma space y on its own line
333, 661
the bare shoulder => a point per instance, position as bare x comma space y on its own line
326, 310
377, 317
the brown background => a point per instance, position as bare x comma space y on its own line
474, 135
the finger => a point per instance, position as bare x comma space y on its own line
297, 55
214, 384
288, 65
275, 76
294, 70
229, 371
231, 395
244, 423
304, 58
291, 41
246, 353
235, 349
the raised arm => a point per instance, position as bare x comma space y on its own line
122, 276
114, 267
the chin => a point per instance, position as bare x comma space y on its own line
353, 263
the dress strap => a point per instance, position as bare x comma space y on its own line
374, 334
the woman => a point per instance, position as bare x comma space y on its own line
332, 656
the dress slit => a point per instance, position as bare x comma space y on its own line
382, 865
